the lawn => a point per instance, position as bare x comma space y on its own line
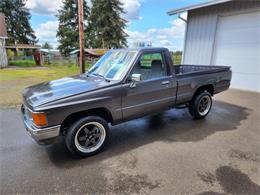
14, 79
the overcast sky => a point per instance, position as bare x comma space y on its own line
147, 21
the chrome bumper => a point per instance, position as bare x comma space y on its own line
41, 135
44, 135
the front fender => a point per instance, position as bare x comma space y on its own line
109, 99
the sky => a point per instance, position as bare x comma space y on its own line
147, 21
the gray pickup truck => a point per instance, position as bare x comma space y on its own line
124, 84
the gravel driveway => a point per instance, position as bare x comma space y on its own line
161, 154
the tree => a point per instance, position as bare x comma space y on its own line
46, 45
106, 27
17, 16
68, 30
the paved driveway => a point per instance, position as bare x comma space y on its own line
166, 153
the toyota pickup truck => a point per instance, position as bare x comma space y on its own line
123, 85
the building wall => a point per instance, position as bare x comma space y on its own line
3, 56
201, 29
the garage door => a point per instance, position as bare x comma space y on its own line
237, 44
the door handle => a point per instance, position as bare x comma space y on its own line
165, 82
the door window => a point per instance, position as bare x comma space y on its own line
150, 66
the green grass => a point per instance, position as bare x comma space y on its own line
14, 80
44, 73
22, 63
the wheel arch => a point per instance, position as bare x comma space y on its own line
209, 88
101, 112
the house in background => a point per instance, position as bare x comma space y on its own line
91, 55
225, 32
3, 37
48, 55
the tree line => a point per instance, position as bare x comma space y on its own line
104, 25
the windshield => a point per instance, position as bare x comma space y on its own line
113, 65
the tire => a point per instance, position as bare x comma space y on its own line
87, 136
200, 105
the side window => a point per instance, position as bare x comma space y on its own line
150, 66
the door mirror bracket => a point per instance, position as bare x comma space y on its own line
135, 78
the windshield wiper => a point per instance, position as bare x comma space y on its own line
96, 74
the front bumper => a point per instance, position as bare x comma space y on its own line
42, 136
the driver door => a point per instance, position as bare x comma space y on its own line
155, 92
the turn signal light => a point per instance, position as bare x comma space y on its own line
39, 119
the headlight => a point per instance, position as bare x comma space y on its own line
39, 119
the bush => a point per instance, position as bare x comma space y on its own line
22, 63
10, 54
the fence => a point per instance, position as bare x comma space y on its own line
48, 60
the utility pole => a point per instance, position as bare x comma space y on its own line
81, 37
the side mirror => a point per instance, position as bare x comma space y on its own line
135, 78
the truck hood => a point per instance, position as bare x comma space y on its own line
47, 92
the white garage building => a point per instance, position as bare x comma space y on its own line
225, 32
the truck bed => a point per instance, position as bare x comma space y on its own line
190, 77
182, 70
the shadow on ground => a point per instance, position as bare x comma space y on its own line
171, 126
233, 181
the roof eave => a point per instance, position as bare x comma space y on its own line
196, 6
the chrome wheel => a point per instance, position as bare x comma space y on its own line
90, 137
204, 105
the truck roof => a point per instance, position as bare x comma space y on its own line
143, 49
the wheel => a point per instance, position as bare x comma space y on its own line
87, 136
200, 105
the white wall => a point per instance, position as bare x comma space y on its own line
201, 29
